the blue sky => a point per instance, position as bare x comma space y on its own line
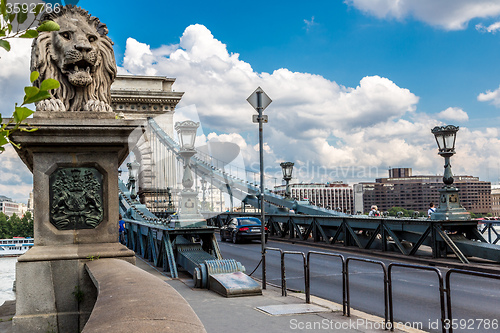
356, 85
340, 42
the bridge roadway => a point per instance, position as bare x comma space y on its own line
416, 297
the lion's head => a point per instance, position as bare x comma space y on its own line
80, 56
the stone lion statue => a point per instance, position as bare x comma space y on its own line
80, 56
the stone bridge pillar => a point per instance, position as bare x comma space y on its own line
74, 158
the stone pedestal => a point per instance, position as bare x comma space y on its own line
189, 216
449, 206
74, 158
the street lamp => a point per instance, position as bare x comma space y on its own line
133, 173
287, 168
170, 207
449, 203
188, 210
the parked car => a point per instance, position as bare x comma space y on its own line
241, 228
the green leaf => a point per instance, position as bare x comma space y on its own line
21, 113
11, 17
3, 138
22, 15
32, 33
48, 26
38, 9
5, 44
2, 32
3, 8
41, 95
9, 27
49, 84
33, 76
30, 91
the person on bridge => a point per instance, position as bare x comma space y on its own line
374, 211
431, 210
121, 229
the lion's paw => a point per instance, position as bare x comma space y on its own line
97, 106
50, 105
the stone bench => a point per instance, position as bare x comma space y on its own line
132, 300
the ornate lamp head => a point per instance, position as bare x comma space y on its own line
445, 138
133, 169
287, 168
187, 133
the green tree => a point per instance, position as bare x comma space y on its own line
5, 226
394, 211
16, 226
26, 226
12, 18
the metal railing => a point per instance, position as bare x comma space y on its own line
447, 322
348, 294
283, 273
308, 278
419, 267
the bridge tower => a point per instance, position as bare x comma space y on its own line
142, 97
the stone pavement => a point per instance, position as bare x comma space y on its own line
248, 314
267, 313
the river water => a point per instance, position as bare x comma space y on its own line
7, 277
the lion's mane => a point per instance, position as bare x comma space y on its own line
76, 98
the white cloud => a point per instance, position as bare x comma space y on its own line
14, 74
453, 113
15, 179
329, 130
310, 24
319, 124
492, 28
490, 96
447, 14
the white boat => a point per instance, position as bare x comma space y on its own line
15, 246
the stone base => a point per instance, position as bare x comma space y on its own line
54, 291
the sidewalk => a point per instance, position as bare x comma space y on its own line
270, 312
267, 313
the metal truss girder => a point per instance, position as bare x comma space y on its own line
395, 239
321, 231
373, 237
335, 237
170, 255
353, 234
296, 229
480, 236
451, 244
421, 240
153, 246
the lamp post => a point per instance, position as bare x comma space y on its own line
170, 207
287, 168
188, 210
449, 204
203, 189
133, 173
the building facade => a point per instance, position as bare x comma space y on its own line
9, 208
416, 192
495, 200
336, 196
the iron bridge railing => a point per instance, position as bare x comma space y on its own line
446, 319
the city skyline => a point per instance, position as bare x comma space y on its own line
354, 85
